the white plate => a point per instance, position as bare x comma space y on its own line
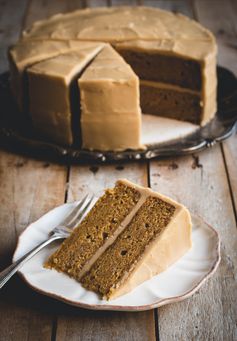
180, 281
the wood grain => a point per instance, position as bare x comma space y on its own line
221, 20
96, 3
225, 29
202, 186
230, 155
28, 189
180, 6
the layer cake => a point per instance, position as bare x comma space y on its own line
173, 56
131, 234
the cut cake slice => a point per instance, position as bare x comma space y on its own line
27, 53
130, 235
54, 94
110, 104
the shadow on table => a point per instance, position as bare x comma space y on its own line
16, 294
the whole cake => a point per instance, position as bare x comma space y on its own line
173, 56
131, 234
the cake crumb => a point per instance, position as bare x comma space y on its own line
19, 164
156, 174
173, 166
196, 163
119, 167
94, 169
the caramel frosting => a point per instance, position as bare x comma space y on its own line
28, 53
201, 49
118, 24
109, 91
168, 87
49, 91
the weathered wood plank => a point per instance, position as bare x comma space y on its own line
181, 6
225, 29
230, 154
123, 2
221, 20
41, 9
210, 313
10, 27
97, 3
77, 4
28, 189
88, 325
202, 186
94, 179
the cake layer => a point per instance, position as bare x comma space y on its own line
169, 69
110, 110
99, 225
170, 101
177, 62
53, 89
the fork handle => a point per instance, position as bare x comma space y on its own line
6, 274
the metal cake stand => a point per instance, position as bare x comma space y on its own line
17, 135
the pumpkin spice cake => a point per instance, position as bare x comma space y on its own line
109, 93
173, 56
131, 234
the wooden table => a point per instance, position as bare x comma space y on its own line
206, 183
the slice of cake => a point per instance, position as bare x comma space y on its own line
131, 234
54, 95
27, 53
110, 104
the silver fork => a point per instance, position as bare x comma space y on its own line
61, 231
